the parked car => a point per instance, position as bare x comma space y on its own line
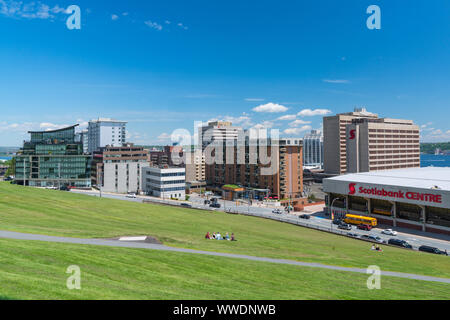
376, 239
187, 205
337, 222
345, 226
364, 227
399, 243
305, 216
432, 250
389, 232
207, 202
131, 195
215, 205
277, 211
353, 235
365, 237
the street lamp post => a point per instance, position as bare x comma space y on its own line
331, 208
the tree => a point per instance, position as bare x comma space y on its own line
11, 164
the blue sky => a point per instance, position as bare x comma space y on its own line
161, 65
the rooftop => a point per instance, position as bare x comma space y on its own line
424, 178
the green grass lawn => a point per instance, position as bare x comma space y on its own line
37, 270
61, 213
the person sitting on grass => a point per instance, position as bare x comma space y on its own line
208, 236
218, 236
378, 248
232, 237
213, 235
227, 237
373, 247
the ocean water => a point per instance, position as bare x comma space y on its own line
4, 158
431, 160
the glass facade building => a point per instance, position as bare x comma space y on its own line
313, 149
53, 159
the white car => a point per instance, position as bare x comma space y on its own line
131, 195
389, 232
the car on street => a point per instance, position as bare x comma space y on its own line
432, 250
399, 243
375, 239
345, 226
305, 216
365, 237
277, 211
353, 235
389, 232
207, 202
364, 227
131, 195
187, 205
215, 205
337, 221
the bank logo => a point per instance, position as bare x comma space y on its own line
352, 134
351, 188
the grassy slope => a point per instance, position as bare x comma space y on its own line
36, 270
59, 213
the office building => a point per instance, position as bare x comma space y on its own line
382, 144
335, 139
172, 156
313, 150
105, 132
119, 169
414, 198
165, 182
83, 138
218, 131
53, 159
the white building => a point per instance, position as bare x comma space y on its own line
313, 149
106, 132
123, 177
164, 182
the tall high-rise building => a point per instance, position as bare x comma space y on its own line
382, 144
221, 131
360, 141
53, 159
335, 139
313, 149
106, 132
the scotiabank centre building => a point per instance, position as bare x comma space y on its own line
416, 198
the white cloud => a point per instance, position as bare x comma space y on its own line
31, 10
296, 131
312, 113
298, 123
164, 136
270, 108
336, 81
114, 17
254, 99
264, 125
153, 25
287, 117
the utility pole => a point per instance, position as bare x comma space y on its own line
24, 170
59, 174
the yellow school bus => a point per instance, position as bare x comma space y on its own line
354, 219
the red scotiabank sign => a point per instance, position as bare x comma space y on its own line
416, 196
352, 134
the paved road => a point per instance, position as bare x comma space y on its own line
316, 220
138, 245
